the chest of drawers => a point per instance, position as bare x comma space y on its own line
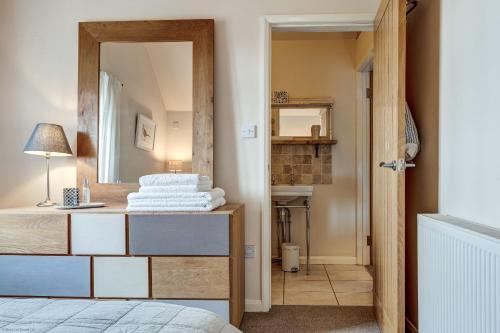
193, 259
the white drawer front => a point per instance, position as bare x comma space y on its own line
121, 277
97, 234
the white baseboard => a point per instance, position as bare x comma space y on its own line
329, 260
255, 305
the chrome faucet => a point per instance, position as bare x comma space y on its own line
292, 179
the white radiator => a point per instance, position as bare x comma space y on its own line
458, 276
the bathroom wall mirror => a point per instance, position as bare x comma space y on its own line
294, 120
145, 102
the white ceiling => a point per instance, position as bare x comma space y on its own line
172, 63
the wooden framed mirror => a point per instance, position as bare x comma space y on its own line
145, 102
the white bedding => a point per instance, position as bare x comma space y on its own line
79, 316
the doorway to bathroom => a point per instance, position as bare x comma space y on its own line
320, 168
388, 146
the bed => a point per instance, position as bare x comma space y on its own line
79, 315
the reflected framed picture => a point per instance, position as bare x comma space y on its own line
145, 130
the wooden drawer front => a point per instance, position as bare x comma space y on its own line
220, 308
34, 233
56, 276
121, 277
190, 277
97, 234
194, 234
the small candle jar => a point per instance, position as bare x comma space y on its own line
315, 131
71, 196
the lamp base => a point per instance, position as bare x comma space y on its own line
46, 203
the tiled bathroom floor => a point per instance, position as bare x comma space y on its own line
348, 285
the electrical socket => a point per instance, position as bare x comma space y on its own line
249, 251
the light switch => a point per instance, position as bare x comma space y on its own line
249, 251
249, 131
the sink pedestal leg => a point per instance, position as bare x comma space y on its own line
308, 233
284, 233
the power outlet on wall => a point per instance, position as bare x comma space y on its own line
249, 251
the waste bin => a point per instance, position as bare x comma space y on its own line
290, 257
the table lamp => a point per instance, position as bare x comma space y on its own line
48, 140
174, 166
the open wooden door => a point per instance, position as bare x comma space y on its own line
389, 178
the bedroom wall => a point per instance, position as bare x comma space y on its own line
469, 117
179, 141
38, 83
323, 65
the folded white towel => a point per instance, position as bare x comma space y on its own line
209, 207
202, 187
165, 179
168, 203
210, 195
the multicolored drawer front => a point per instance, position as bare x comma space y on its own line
98, 234
179, 234
126, 277
57, 276
34, 233
190, 277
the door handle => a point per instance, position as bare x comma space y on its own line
410, 165
399, 165
392, 165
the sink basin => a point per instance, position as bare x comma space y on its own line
286, 193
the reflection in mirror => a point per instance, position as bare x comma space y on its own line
145, 110
297, 120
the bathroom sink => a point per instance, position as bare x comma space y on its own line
286, 193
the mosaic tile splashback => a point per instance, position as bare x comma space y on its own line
301, 161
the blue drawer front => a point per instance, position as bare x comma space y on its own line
220, 308
45, 276
179, 234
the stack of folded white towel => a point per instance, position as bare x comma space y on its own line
176, 192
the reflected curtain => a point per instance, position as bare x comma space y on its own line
109, 128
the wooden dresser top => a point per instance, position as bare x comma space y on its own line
229, 208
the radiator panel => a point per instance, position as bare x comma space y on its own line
458, 276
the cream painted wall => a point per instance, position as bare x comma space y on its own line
38, 83
469, 180
179, 141
312, 68
364, 46
130, 63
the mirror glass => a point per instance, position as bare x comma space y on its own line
297, 121
145, 110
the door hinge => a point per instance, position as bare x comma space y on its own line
369, 93
368, 240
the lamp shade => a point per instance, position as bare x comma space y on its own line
174, 166
48, 139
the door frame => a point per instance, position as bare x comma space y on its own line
363, 162
313, 23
